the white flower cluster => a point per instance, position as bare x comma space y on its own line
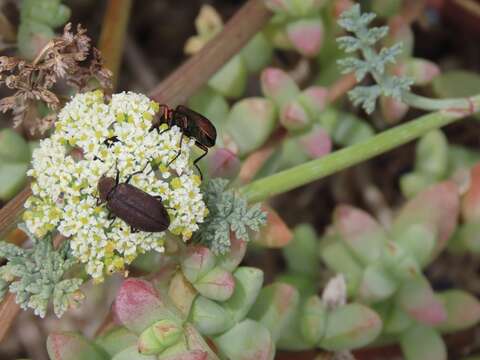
68, 166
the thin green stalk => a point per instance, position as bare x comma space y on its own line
425, 103
316, 169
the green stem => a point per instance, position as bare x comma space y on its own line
316, 169
421, 102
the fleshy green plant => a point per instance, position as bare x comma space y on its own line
210, 299
383, 269
437, 160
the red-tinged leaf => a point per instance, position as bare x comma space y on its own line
275, 234
306, 36
218, 284
314, 99
223, 163
278, 86
361, 232
316, 143
275, 307
471, 199
198, 261
423, 343
418, 300
436, 207
294, 117
73, 346
350, 326
248, 340
182, 293
463, 310
138, 305
231, 260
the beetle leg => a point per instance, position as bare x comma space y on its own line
133, 230
178, 152
184, 126
204, 148
136, 173
111, 217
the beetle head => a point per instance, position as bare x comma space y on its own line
105, 186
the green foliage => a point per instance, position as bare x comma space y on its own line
36, 276
373, 63
229, 212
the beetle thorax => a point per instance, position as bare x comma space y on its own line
105, 186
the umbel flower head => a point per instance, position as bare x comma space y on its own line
68, 165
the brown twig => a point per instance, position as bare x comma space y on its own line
8, 312
175, 89
112, 37
11, 212
193, 74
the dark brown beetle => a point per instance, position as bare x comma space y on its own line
142, 211
192, 124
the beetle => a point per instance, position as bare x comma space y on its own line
140, 210
192, 124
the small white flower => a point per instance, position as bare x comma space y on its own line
65, 187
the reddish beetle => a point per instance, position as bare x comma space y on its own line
192, 124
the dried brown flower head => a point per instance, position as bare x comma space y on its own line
70, 58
